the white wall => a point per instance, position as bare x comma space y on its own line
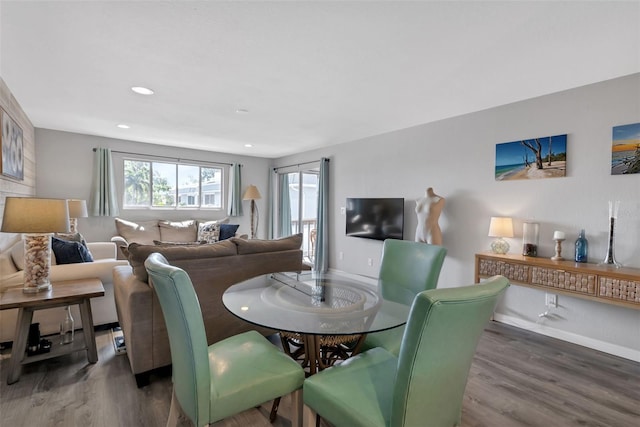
456, 157
65, 167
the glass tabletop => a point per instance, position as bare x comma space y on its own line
310, 303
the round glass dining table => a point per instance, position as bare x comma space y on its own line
315, 310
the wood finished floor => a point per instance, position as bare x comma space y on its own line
517, 379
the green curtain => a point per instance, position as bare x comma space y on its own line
103, 200
235, 187
284, 206
321, 261
271, 231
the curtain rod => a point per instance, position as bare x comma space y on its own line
298, 164
169, 158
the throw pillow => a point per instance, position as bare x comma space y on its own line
178, 231
69, 252
71, 237
144, 232
209, 232
228, 230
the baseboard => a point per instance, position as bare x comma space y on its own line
605, 347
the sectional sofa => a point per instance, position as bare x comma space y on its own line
212, 269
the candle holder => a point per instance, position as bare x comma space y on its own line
558, 255
610, 258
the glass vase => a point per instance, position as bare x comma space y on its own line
610, 258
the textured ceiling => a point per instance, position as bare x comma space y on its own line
309, 73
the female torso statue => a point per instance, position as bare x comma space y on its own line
428, 210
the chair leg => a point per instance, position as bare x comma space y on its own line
274, 409
297, 407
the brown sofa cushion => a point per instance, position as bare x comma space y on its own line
178, 231
139, 253
143, 232
255, 246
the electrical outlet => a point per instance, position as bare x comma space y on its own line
551, 300
341, 255
343, 210
370, 262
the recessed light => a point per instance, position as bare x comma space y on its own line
248, 145
142, 90
242, 111
123, 126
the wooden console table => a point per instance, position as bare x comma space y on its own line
619, 286
61, 294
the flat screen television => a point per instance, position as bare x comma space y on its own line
375, 218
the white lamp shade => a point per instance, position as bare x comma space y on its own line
501, 227
35, 215
77, 208
252, 193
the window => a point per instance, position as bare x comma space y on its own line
171, 185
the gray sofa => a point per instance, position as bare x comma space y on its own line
212, 269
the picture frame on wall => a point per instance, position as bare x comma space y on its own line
625, 149
12, 153
532, 158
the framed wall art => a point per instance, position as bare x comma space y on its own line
625, 149
532, 158
12, 153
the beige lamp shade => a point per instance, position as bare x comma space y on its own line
77, 208
252, 193
501, 227
35, 215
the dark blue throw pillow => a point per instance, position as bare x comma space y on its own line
227, 231
70, 252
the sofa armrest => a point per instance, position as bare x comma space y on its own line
119, 241
102, 250
135, 314
100, 269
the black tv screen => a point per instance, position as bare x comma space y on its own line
378, 219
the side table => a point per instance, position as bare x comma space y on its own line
64, 293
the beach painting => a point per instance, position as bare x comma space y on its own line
532, 158
625, 149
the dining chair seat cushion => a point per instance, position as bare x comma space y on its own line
238, 382
358, 392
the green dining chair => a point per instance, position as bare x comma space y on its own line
424, 385
406, 269
213, 382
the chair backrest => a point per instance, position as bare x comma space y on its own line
187, 338
437, 349
408, 268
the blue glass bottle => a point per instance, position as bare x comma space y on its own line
582, 248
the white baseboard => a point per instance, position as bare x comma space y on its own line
605, 347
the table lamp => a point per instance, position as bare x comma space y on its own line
253, 194
500, 227
38, 219
77, 209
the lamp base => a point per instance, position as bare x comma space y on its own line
37, 265
500, 246
45, 287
